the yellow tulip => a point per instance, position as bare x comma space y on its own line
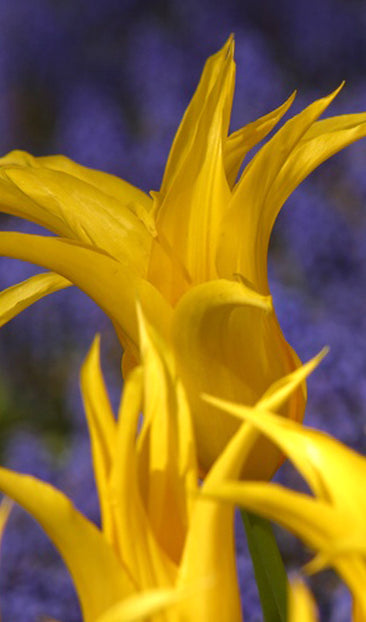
332, 522
194, 253
163, 551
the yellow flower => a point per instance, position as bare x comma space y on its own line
194, 253
333, 521
163, 551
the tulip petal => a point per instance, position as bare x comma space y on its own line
18, 297
333, 471
110, 283
228, 343
209, 555
334, 522
75, 209
143, 606
111, 185
194, 194
102, 430
248, 223
239, 143
80, 543
166, 444
209, 552
146, 562
314, 521
301, 603
186, 133
279, 392
6, 507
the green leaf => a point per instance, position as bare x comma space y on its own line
268, 567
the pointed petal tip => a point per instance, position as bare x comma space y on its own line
93, 350
289, 101
333, 94
244, 412
323, 352
229, 46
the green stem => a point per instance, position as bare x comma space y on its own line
268, 567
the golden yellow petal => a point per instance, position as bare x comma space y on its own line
312, 520
166, 444
16, 298
333, 471
105, 280
186, 133
6, 506
333, 524
75, 209
145, 560
302, 607
209, 554
194, 191
352, 569
228, 343
239, 143
102, 430
209, 558
110, 184
248, 223
144, 606
322, 140
279, 392
99, 578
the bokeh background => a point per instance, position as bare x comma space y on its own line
106, 83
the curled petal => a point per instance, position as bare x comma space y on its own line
334, 472
70, 206
228, 343
111, 185
110, 283
239, 143
248, 222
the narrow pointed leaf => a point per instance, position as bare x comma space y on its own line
268, 567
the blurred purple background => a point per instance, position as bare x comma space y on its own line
106, 83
